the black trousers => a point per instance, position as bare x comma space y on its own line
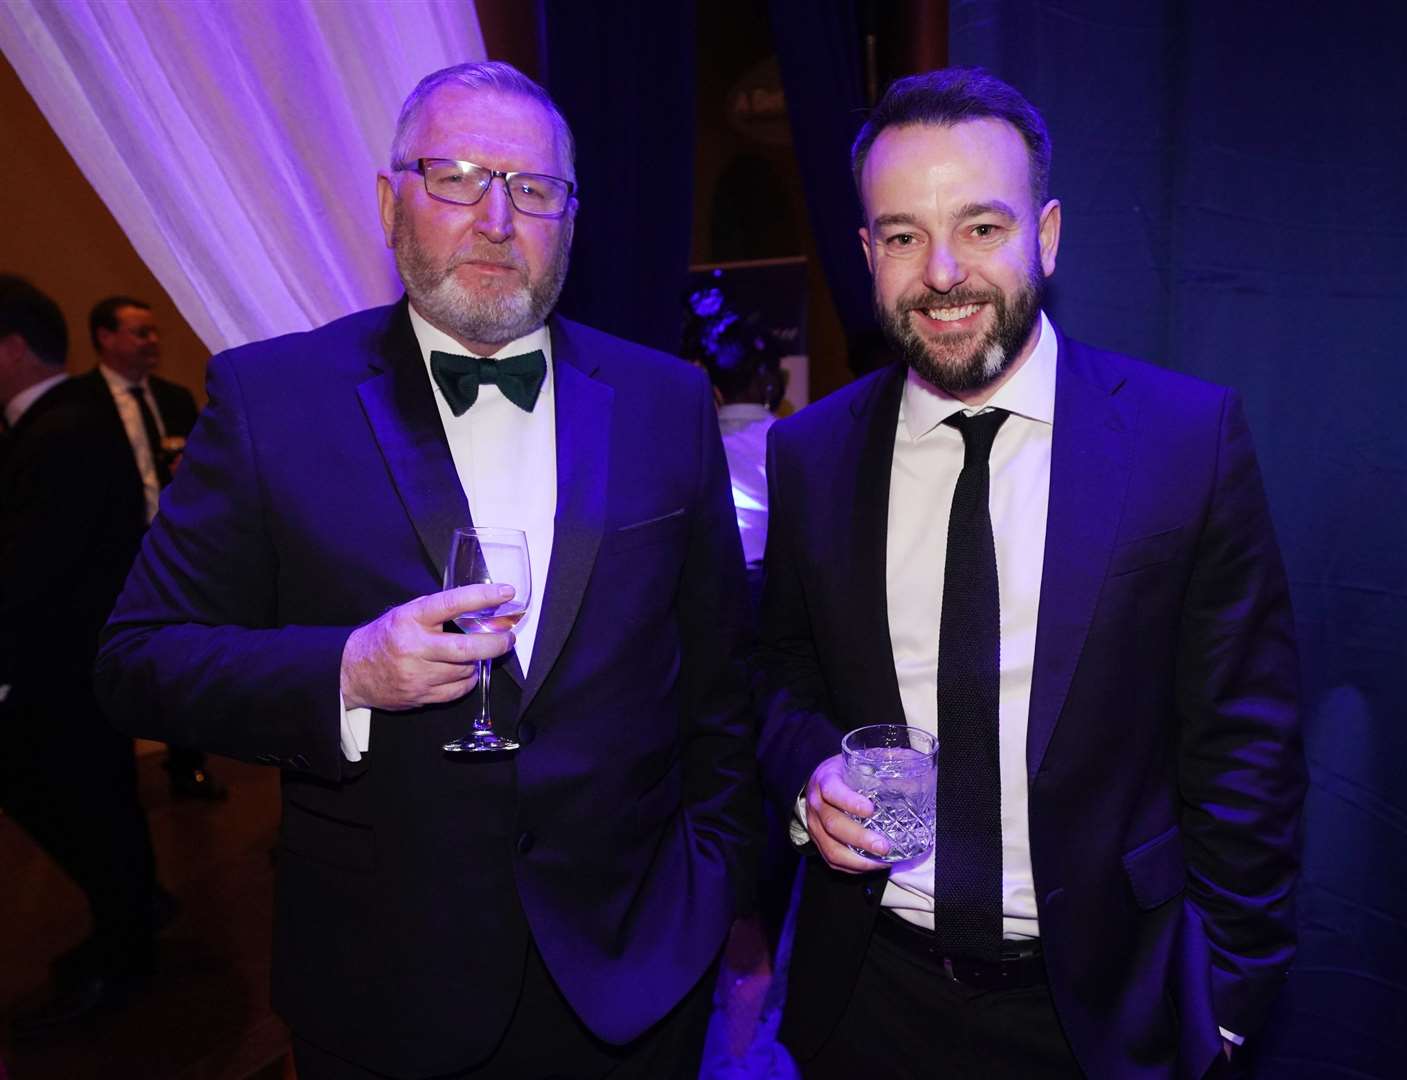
69, 780
906, 1018
546, 1040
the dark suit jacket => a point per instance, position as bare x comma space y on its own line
1164, 764
70, 525
316, 492
175, 404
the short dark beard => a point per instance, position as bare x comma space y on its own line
464, 315
992, 355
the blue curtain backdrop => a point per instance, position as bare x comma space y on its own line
1234, 181
622, 72
819, 52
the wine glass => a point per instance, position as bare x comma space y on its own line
488, 556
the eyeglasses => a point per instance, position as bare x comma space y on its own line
465, 183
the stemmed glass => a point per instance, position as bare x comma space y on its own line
488, 556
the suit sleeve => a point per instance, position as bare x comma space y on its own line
720, 771
193, 653
1241, 773
797, 730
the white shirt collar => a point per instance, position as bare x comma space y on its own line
1030, 392
18, 405
118, 382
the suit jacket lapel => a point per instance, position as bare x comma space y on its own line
400, 407
1089, 473
583, 415
876, 416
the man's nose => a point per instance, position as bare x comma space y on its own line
494, 212
944, 270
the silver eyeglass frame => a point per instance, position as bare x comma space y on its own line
420, 165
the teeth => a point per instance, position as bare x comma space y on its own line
952, 314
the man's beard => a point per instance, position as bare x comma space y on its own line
949, 369
487, 318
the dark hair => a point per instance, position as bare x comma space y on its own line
733, 349
104, 315
952, 96
26, 311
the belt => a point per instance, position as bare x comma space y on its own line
1021, 962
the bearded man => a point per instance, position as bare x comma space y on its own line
552, 910
1060, 561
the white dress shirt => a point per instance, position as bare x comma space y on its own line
506, 460
744, 429
928, 457
131, 414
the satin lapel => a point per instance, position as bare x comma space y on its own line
1092, 443
583, 412
400, 407
876, 416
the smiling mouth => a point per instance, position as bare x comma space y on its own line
951, 314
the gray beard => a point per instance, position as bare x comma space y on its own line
992, 355
467, 315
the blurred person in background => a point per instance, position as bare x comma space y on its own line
69, 530
149, 418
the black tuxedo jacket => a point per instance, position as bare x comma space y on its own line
1164, 765
316, 492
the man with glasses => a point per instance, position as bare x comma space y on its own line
554, 910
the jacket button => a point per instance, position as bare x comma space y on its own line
525, 843
869, 892
527, 732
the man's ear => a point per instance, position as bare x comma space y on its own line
1050, 235
386, 198
865, 247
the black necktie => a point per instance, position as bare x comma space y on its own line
458, 377
967, 892
158, 457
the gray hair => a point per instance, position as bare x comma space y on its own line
480, 75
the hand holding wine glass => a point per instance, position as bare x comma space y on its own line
404, 658
488, 556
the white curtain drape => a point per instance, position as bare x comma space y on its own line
236, 142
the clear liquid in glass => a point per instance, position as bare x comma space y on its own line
902, 784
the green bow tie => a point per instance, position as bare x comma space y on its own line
519, 377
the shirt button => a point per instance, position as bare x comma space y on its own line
525, 843
527, 732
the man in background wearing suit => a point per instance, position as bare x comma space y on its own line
69, 530
152, 417
551, 911
1061, 560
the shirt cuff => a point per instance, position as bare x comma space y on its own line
1232, 1037
356, 730
796, 827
